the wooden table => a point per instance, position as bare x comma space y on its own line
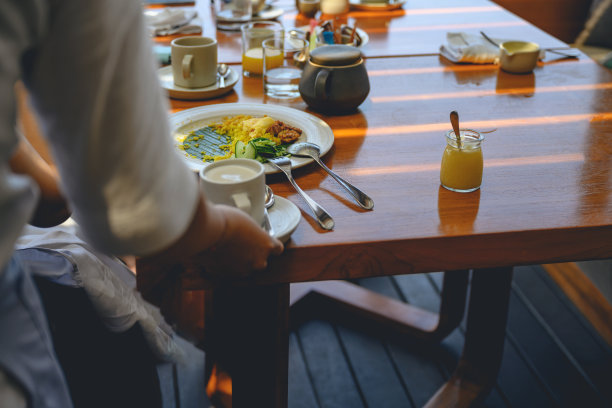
546, 197
419, 28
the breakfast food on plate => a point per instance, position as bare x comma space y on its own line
240, 136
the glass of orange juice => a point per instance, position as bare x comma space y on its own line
461, 168
253, 35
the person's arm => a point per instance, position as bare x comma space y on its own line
52, 208
223, 239
95, 88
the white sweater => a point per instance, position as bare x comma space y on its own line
89, 69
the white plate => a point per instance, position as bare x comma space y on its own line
314, 130
365, 38
178, 92
284, 218
365, 5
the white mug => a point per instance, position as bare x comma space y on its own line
194, 61
240, 183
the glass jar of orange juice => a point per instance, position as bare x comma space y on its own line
461, 168
253, 35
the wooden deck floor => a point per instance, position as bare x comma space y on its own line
552, 356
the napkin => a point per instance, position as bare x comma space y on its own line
172, 20
468, 48
110, 286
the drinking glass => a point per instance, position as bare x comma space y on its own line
283, 62
462, 164
253, 35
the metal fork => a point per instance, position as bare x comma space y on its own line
324, 219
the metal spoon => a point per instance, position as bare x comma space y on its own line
269, 203
269, 197
313, 151
324, 219
223, 72
486, 37
454, 118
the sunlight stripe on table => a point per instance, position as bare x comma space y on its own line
457, 68
448, 27
491, 92
423, 12
514, 162
482, 124
359, 14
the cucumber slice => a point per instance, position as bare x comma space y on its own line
239, 149
250, 152
245, 151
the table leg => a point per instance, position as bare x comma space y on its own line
247, 334
477, 370
375, 313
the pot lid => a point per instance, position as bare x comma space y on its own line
335, 55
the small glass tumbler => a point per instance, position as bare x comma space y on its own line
462, 163
283, 63
231, 14
253, 35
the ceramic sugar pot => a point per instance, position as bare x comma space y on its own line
334, 79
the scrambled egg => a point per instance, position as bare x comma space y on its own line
244, 128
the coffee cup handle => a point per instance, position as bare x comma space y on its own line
242, 202
321, 84
187, 62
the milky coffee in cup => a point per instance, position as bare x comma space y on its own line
240, 183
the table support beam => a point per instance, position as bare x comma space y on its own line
477, 370
369, 311
248, 336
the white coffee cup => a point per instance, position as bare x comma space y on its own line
194, 61
240, 183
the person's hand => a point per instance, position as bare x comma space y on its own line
243, 247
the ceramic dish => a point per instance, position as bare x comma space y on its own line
268, 13
365, 38
314, 130
178, 92
365, 5
284, 218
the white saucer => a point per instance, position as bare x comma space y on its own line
284, 218
268, 13
178, 92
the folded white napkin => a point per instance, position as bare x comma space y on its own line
172, 20
110, 286
475, 49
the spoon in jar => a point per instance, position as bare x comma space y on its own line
454, 118
311, 150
